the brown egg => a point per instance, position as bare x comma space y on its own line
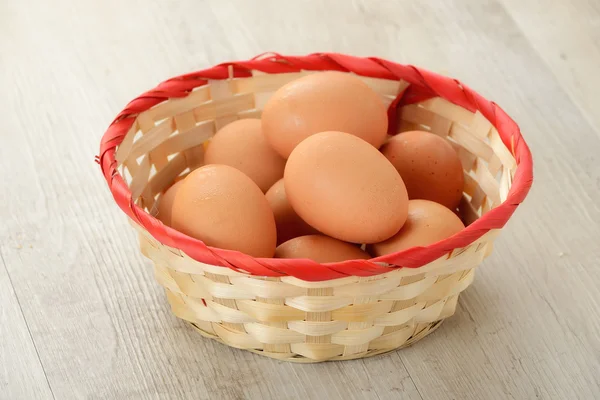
319, 248
429, 166
242, 145
427, 223
224, 208
289, 224
165, 203
345, 188
326, 101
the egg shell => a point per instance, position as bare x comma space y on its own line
429, 166
345, 188
428, 222
320, 248
325, 101
165, 203
242, 145
224, 208
289, 224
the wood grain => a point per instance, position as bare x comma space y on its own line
566, 35
527, 328
21, 375
528, 294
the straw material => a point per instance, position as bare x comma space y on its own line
275, 307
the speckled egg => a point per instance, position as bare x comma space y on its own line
429, 166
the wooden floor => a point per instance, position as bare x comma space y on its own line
81, 316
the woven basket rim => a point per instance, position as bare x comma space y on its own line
423, 85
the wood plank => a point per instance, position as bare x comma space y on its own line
21, 374
102, 324
566, 35
527, 327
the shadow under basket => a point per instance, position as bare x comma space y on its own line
298, 310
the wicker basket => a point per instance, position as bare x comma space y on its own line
298, 310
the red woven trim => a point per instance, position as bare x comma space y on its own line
424, 85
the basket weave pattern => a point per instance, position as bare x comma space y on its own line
305, 311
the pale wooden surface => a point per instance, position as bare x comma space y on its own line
80, 313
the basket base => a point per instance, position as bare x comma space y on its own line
300, 359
